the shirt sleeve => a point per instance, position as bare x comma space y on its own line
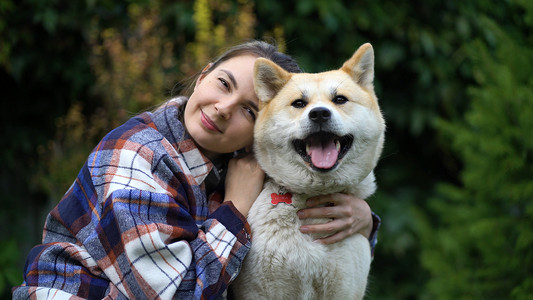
373, 238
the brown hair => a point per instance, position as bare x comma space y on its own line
256, 48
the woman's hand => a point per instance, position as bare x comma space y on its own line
350, 215
244, 182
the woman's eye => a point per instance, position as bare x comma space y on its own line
251, 112
224, 82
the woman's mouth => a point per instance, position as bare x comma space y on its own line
208, 123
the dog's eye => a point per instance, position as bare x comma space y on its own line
339, 99
299, 103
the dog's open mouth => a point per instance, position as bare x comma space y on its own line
323, 150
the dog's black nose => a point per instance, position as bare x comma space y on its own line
319, 115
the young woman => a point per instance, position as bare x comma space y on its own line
159, 208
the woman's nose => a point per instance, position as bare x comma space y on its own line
225, 107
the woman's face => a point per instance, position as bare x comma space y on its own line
221, 112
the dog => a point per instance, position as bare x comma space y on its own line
315, 134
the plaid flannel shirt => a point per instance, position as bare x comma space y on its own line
136, 222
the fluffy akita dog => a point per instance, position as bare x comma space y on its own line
315, 134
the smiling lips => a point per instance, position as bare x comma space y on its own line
209, 124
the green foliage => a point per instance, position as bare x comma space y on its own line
9, 255
482, 247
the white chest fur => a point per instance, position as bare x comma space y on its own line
283, 263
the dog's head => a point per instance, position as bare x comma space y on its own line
323, 132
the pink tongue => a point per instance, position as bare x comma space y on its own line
323, 156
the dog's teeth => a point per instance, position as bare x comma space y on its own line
338, 145
307, 148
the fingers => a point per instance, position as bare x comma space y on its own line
335, 231
334, 212
348, 215
334, 209
329, 228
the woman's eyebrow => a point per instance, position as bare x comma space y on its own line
231, 77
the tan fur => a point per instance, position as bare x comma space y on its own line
284, 263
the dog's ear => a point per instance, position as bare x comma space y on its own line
269, 78
361, 66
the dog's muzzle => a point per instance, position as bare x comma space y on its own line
322, 150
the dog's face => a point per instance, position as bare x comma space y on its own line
318, 130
